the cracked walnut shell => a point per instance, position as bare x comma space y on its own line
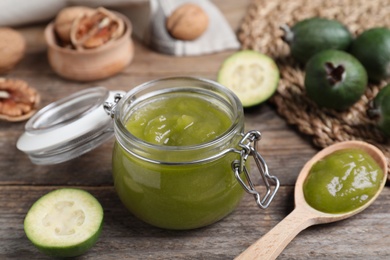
18, 101
96, 29
65, 18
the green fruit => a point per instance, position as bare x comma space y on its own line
372, 49
64, 223
380, 110
252, 76
335, 79
310, 36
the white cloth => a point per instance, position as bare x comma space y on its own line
218, 36
147, 17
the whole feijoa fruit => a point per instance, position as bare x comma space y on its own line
379, 110
372, 49
335, 79
310, 36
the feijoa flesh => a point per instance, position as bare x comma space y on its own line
64, 223
312, 35
335, 79
251, 75
380, 110
372, 49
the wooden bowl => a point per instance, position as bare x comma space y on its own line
90, 64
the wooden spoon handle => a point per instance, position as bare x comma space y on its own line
272, 244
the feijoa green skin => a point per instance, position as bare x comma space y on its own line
380, 110
313, 35
342, 181
335, 79
372, 49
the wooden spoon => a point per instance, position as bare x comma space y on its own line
272, 244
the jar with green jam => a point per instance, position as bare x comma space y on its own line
178, 143
181, 155
342, 181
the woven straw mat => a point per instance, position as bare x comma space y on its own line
260, 31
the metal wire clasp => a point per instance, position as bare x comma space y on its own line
109, 107
248, 145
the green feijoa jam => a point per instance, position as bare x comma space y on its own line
342, 181
178, 121
312, 35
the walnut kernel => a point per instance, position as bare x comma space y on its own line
18, 101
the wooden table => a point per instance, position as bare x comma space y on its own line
364, 236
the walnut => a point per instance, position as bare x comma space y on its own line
18, 101
96, 29
12, 48
187, 22
64, 20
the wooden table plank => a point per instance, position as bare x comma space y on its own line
363, 236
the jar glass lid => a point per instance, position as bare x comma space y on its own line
69, 127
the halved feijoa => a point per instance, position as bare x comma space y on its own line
372, 49
251, 75
380, 110
335, 79
64, 222
310, 36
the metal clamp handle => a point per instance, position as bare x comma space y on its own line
248, 145
109, 107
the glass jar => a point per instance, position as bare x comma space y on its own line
178, 187
173, 187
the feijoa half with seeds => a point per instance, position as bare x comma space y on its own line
335, 79
251, 75
312, 35
65, 222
